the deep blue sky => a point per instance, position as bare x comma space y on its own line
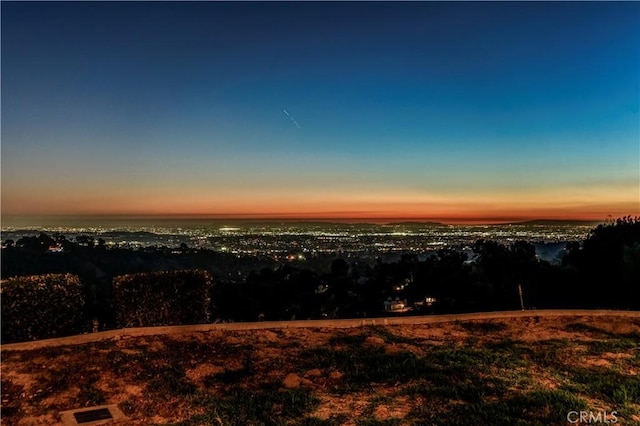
403, 109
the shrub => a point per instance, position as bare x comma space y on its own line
162, 298
41, 306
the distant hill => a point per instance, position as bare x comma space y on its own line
554, 222
415, 223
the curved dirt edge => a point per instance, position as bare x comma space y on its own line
333, 323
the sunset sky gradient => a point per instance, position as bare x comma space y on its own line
457, 111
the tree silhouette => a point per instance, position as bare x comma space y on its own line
502, 268
605, 269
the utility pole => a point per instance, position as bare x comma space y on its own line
520, 292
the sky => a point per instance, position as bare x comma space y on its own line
420, 110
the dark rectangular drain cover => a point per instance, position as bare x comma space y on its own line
92, 415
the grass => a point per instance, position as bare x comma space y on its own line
546, 353
483, 327
92, 395
483, 379
462, 374
230, 376
243, 407
444, 370
169, 382
334, 420
614, 345
610, 385
362, 366
390, 337
376, 422
507, 355
586, 329
345, 339
11, 392
540, 407
472, 389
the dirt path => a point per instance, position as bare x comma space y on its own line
334, 323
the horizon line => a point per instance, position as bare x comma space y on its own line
302, 218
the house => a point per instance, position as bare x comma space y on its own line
56, 248
396, 306
425, 302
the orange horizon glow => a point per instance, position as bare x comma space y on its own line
346, 203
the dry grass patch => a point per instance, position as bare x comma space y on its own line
483, 372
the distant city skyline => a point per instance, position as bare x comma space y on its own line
310, 110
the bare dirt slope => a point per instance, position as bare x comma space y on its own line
528, 369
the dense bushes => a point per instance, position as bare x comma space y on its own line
605, 269
162, 298
52, 305
41, 306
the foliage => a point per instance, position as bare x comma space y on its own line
162, 298
41, 306
606, 267
284, 293
502, 268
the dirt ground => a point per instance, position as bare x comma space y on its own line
154, 378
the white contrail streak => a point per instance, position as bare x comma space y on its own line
292, 119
